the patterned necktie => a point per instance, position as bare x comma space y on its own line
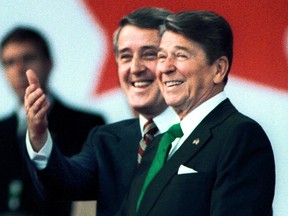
150, 129
173, 132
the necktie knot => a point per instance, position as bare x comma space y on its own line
149, 130
171, 134
175, 131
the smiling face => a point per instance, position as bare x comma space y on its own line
137, 60
185, 77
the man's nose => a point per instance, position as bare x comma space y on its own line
167, 65
137, 65
19, 65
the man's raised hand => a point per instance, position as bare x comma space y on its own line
36, 106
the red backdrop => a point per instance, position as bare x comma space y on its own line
259, 31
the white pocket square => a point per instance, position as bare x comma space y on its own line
185, 170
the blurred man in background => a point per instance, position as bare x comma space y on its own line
21, 49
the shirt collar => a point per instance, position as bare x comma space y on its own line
163, 121
190, 122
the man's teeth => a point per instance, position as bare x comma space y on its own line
173, 83
140, 84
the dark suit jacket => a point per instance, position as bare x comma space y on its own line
103, 170
236, 174
69, 128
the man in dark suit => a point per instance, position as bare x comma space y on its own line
104, 168
24, 48
222, 161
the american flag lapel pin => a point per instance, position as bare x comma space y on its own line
196, 141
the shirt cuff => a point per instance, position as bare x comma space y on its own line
39, 159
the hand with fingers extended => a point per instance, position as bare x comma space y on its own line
36, 106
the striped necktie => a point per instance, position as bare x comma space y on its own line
150, 129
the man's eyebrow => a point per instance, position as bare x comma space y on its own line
149, 47
143, 48
160, 49
176, 48
123, 50
182, 48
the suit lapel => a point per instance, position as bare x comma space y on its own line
193, 144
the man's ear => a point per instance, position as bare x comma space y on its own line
222, 65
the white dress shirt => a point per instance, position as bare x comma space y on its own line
191, 121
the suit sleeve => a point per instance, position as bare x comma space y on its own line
72, 178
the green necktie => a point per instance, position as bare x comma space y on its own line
173, 132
